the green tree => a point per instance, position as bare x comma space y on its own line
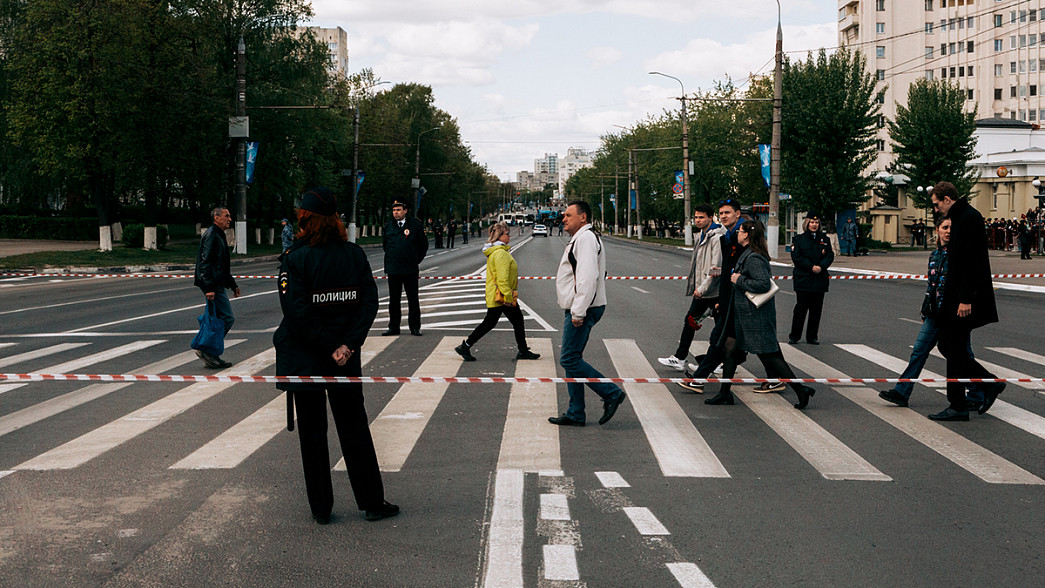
828, 133
933, 137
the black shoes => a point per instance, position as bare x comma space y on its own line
792, 340
971, 405
565, 421
385, 510
323, 520
813, 341
893, 396
390, 333
949, 414
527, 354
214, 363
722, 398
464, 351
804, 394
415, 333
990, 395
610, 408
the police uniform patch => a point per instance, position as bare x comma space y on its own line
339, 296
284, 281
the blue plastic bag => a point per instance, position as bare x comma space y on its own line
211, 338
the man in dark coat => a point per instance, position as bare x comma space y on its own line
812, 254
405, 245
969, 303
213, 276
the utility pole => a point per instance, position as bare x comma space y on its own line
355, 176
687, 213
241, 149
773, 230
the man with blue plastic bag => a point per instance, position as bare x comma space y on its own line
213, 276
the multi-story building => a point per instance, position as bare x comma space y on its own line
548, 164
575, 160
992, 49
336, 40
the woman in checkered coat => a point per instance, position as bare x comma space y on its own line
750, 328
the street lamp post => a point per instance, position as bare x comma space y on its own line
416, 183
773, 229
352, 231
241, 149
687, 214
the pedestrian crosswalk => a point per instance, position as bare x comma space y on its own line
675, 433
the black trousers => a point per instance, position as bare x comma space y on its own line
813, 303
954, 345
396, 284
493, 314
357, 446
697, 307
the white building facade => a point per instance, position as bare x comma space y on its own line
574, 161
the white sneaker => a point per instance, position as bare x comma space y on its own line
718, 371
692, 367
768, 387
673, 362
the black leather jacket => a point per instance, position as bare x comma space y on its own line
212, 262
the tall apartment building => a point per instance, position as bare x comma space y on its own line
547, 164
574, 161
991, 48
336, 40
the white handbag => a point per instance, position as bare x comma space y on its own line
759, 299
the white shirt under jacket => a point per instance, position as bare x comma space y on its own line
577, 292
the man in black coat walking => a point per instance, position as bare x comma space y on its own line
213, 275
405, 245
969, 302
812, 254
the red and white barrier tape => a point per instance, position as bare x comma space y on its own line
184, 276
472, 380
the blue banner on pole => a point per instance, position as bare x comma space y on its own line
420, 193
764, 153
634, 197
252, 157
359, 179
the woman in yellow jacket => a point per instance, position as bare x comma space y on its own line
502, 282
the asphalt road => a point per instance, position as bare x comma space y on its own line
166, 484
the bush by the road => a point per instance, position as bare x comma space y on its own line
35, 227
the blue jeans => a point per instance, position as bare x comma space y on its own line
927, 338
223, 308
574, 339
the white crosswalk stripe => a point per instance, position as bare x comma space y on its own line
82, 362
1002, 372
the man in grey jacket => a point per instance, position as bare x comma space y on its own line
701, 285
580, 287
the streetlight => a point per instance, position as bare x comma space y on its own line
686, 222
632, 188
241, 146
928, 192
355, 167
416, 182
773, 230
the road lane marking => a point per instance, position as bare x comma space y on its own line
529, 443
560, 563
92, 300
689, 575
554, 507
155, 314
399, 426
98, 441
644, 520
639, 289
679, 448
504, 548
1001, 372
806, 363
48, 408
1014, 415
612, 480
38, 353
82, 362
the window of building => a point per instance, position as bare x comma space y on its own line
943, 72
1041, 114
997, 20
1023, 67
928, 52
1032, 40
961, 71
997, 93
969, 96
929, 74
1033, 16
1041, 64
1023, 91
1023, 16
1023, 41
943, 48
969, 70
1012, 16
1012, 67
1034, 90
880, 98
970, 23
969, 46
994, 196
999, 45
1012, 91
1012, 42
928, 4
1012, 115
928, 28
961, 23
879, 5
881, 144
951, 24
881, 121
879, 52
1032, 65
997, 69
952, 71
879, 27
951, 49
1022, 114
880, 75
1031, 113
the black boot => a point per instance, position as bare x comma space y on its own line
804, 394
724, 397
464, 351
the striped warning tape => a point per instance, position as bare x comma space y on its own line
185, 276
474, 380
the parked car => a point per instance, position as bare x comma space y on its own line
541, 230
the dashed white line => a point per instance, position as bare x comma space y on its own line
644, 520
554, 507
689, 575
505, 542
612, 480
560, 563
639, 289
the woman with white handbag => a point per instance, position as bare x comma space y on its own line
751, 317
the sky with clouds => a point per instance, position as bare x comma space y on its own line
529, 77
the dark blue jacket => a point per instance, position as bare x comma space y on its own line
404, 247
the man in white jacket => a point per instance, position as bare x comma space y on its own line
580, 286
702, 283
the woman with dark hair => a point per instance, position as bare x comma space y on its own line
752, 328
329, 301
502, 294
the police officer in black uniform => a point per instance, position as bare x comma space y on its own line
812, 254
329, 300
405, 245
